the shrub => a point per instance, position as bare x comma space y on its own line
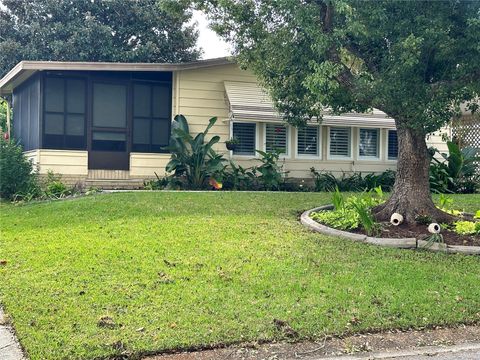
193, 161
467, 227
343, 220
17, 176
54, 188
326, 181
457, 172
271, 174
236, 177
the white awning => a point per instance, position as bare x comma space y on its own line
249, 102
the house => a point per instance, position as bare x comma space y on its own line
107, 124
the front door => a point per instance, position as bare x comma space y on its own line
109, 146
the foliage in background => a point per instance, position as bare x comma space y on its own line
17, 175
104, 30
193, 161
236, 177
3, 115
326, 181
457, 172
467, 227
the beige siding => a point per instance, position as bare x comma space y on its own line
66, 162
144, 165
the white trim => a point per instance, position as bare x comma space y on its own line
339, 157
319, 144
288, 138
379, 147
255, 155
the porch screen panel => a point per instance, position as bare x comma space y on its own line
151, 121
276, 138
392, 145
340, 142
368, 144
307, 140
64, 113
245, 133
109, 105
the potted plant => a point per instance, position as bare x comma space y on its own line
232, 143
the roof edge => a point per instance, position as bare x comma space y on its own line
34, 66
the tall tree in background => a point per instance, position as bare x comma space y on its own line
96, 30
415, 60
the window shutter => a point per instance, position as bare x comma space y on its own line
307, 140
340, 142
392, 145
245, 133
276, 138
368, 146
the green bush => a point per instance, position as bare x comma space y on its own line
17, 176
54, 188
457, 172
193, 161
271, 173
326, 181
467, 227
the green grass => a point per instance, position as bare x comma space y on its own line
186, 270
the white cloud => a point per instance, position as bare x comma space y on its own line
213, 46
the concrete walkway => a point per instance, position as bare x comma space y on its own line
9, 346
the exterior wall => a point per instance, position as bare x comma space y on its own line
65, 162
201, 95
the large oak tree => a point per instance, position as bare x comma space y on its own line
417, 61
96, 30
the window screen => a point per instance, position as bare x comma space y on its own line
340, 142
276, 138
245, 133
392, 145
64, 113
109, 105
307, 140
151, 117
368, 144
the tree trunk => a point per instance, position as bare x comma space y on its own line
411, 192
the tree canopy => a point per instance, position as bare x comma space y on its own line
417, 61
100, 30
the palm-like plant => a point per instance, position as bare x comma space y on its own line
193, 159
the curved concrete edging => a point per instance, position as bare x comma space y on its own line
400, 243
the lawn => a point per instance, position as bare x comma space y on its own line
145, 272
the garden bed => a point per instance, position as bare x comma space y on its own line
420, 232
352, 218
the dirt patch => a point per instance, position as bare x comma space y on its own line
420, 232
385, 341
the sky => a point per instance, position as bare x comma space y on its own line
210, 42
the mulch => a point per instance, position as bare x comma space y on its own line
420, 232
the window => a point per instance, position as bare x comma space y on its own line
64, 113
392, 145
368, 143
151, 117
340, 139
246, 135
308, 140
276, 136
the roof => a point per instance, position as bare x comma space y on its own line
25, 69
249, 102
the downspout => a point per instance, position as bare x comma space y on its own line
177, 92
